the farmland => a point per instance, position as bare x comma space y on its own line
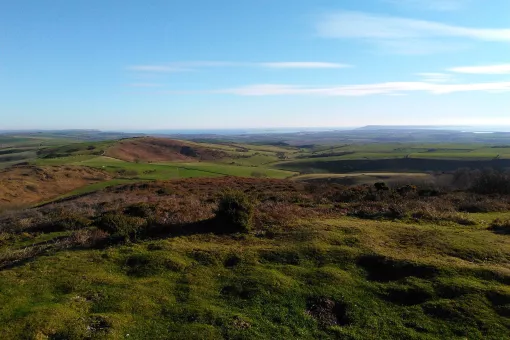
150, 158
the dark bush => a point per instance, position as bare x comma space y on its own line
500, 226
118, 225
407, 190
127, 173
143, 210
381, 186
354, 194
491, 181
188, 151
429, 193
164, 191
71, 222
235, 212
59, 220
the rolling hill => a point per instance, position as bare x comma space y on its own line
151, 149
24, 185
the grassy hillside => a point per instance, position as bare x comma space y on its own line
319, 262
150, 158
25, 185
17, 147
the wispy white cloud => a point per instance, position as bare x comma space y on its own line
372, 26
400, 35
389, 88
195, 65
435, 77
418, 46
487, 69
434, 5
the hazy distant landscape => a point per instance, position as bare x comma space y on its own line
254, 169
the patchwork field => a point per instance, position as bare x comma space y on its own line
128, 160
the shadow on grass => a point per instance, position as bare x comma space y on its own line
19, 257
500, 230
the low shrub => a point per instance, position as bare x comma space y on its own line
482, 205
55, 220
143, 210
354, 194
121, 226
500, 226
235, 212
67, 221
429, 192
407, 190
381, 186
127, 173
87, 237
491, 181
377, 210
432, 215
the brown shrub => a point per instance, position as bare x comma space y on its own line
87, 237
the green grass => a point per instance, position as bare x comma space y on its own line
171, 170
233, 170
76, 149
16, 149
146, 171
387, 281
252, 159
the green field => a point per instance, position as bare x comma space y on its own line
128, 172
160, 171
30, 146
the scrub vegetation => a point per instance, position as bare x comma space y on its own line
265, 258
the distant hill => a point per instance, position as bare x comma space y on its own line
151, 149
410, 127
26, 184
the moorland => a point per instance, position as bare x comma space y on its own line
361, 234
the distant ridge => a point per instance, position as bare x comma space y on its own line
456, 128
412, 127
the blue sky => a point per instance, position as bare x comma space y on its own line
126, 65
